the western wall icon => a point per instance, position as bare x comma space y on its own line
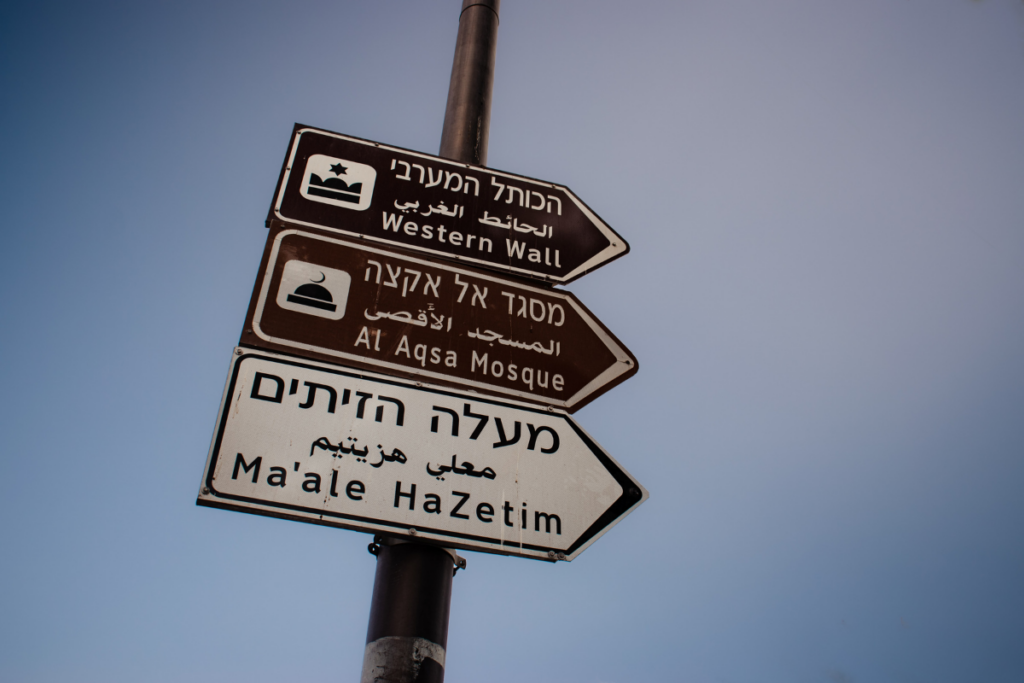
338, 182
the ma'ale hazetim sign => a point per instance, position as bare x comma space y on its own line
440, 207
318, 443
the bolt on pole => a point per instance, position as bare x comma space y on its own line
407, 636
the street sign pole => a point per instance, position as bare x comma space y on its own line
467, 116
407, 636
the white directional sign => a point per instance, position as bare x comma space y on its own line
319, 443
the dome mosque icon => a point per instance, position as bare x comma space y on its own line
313, 289
312, 294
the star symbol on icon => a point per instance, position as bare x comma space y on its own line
338, 169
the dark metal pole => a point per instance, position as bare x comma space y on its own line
412, 594
407, 638
467, 117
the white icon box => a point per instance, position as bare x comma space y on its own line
338, 182
314, 290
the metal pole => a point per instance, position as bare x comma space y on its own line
467, 117
408, 631
407, 638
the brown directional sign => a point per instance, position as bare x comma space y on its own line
355, 304
442, 207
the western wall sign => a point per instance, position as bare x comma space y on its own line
441, 207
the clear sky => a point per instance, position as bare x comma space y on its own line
825, 203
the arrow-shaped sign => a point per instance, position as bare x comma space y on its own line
316, 443
439, 206
359, 305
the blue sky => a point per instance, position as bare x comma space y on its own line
825, 289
